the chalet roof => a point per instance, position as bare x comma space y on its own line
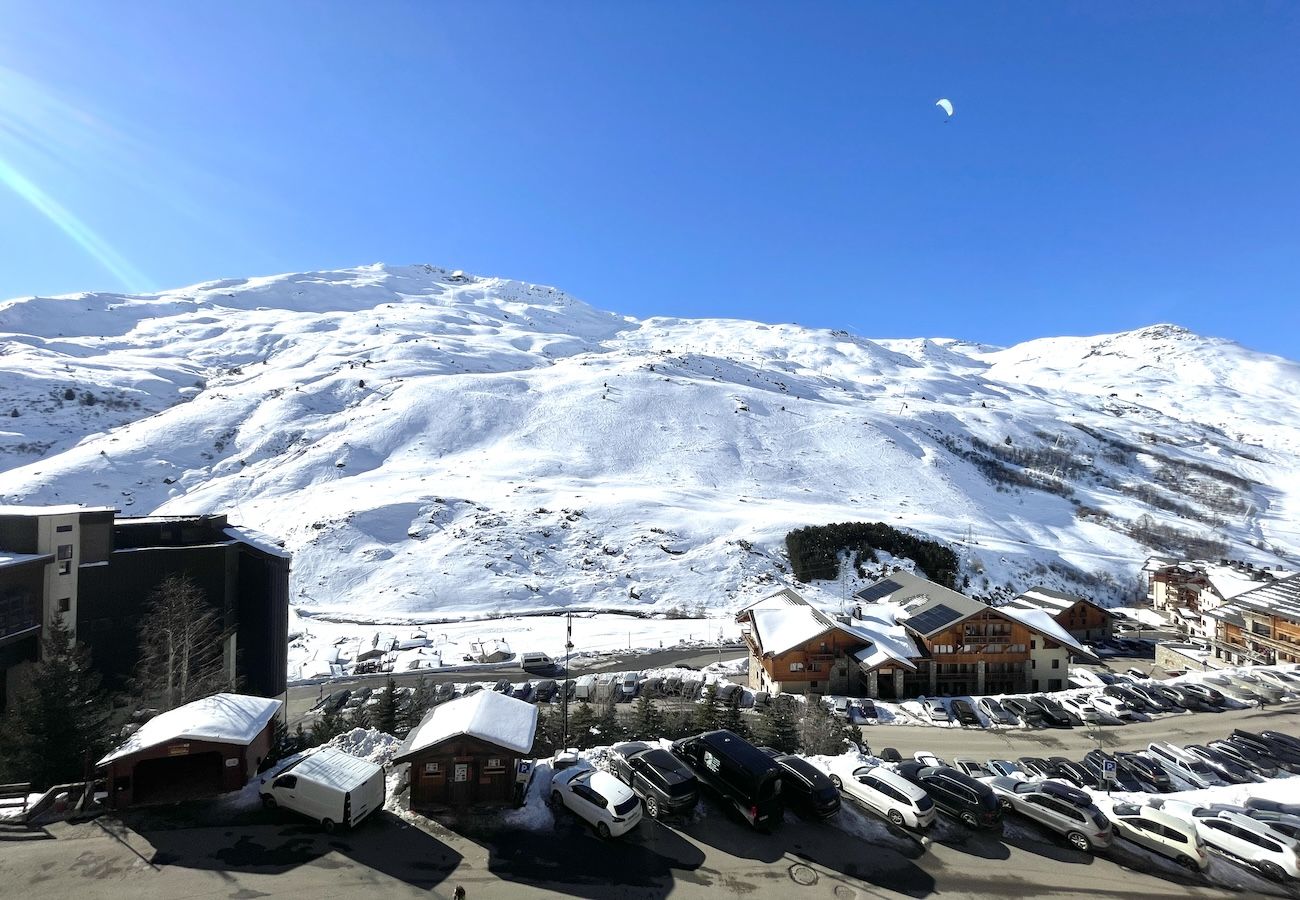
890, 641
903, 586
491, 717
1041, 621
1278, 598
221, 719
785, 620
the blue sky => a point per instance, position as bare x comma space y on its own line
1109, 165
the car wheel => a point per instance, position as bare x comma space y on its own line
1188, 863
1272, 871
836, 782
603, 830
969, 819
268, 801
1079, 841
896, 817
652, 807
327, 825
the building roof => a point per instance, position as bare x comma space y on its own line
1272, 598
1041, 620
66, 509
22, 559
258, 540
785, 620
221, 718
890, 641
920, 597
486, 715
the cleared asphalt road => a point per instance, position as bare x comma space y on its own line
223, 851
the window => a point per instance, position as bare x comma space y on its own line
1033, 664
65, 568
62, 529
1033, 645
432, 768
65, 604
796, 667
287, 781
65, 551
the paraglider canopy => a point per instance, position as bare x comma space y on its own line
945, 105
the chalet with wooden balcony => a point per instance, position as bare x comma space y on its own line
1259, 626
1085, 621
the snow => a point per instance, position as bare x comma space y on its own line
430, 447
369, 744
221, 718
889, 639
1043, 623
778, 630
1145, 615
336, 768
487, 715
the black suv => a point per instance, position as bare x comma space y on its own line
806, 788
958, 795
964, 713
661, 780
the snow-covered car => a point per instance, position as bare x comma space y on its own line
1250, 682
926, 758
1008, 769
996, 712
605, 803
1223, 765
934, 708
1062, 809
1241, 837
884, 792
1086, 677
1285, 681
1160, 832
973, 767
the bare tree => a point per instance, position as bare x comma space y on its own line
180, 646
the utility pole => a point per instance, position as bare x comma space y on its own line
564, 703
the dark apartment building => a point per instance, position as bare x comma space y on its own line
97, 570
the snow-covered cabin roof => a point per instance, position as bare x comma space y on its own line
1279, 598
785, 620
1041, 621
486, 715
785, 595
890, 641
257, 540
221, 718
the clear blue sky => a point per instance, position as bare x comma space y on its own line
1110, 165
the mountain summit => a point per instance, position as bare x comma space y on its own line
433, 443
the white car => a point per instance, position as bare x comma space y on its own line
884, 792
934, 708
606, 803
1086, 677
1112, 706
1241, 837
1282, 680
926, 758
1178, 762
1160, 832
1081, 708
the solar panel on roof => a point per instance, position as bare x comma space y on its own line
933, 618
877, 591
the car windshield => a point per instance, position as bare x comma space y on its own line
924, 803
627, 805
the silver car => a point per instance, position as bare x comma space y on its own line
1065, 810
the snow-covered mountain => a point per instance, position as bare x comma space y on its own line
430, 443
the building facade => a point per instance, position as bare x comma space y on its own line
97, 571
1084, 620
1261, 626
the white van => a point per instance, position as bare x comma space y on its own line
330, 786
1177, 761
537, 661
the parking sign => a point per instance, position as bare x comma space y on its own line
1108, 769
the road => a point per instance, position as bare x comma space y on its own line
246, 853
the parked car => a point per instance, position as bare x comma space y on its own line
1258, 686
964, 713
504, 686
1066, 811
806, 788
330, 786
1112, 706
663, 782
1273, 806
1008, 769
605, 803
738, 773
1132, 699
1029, 713
1245, 757
958, 795
889, 754
1054, 714
867, 714
1153, 777
1277, 752
1280, 737
1157, 701
1279, 821
1285, 681
996, 712
1241, 837
926, 758
1224, 766
1071, 771
1181, 764
523, 691
1233, 689
1205, 693
1081, 707
1161, 833
1094, 761
884, 792
934, 708
1035, 766
538, 663
545, 690
972, 767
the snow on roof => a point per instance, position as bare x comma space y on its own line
221, 718
784, 597
1042, 622
257, 540
487, 715
66, 509
1229, 582
778, 629
336, 769
889, 639
18, 559
1046, 598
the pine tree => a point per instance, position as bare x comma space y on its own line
647, 721
610, 729
386, 711
581, 721
550, 728
328, 725
56, 727
730, 718
180, 657
361, 717
420, 702
778, 726
706, 711
820, 732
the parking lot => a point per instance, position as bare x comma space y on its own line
212, 850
